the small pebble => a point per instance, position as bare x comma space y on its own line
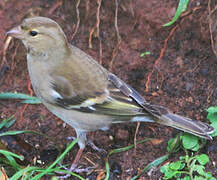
188, 86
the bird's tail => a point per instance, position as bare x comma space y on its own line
185, 124
165, 117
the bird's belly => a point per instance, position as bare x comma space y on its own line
81, 121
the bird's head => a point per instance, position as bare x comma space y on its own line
40, 34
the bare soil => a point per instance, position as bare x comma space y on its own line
183, 79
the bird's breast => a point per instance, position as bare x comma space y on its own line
39, 76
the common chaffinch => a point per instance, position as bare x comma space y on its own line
78, 90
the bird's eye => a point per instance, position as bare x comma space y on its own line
33, 33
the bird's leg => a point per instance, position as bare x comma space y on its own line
76, 160
81, 142
74, 165
82, 139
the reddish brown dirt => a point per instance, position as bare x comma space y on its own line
184, 80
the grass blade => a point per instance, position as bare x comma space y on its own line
154, 163
181, 8
9, 95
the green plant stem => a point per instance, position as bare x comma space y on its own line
190, 162
191, 169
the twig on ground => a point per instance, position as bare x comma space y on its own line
78, 19
5, 48
137, 129
87, 9
116, 21
115, 50
210, 25
12, 58
159, 58
90, 37
97, 30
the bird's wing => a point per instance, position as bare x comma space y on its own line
116, 99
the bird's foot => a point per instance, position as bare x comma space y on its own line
94, 147
74, 164
91, 144
75, 169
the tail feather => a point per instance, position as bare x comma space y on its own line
188, 125
165, 117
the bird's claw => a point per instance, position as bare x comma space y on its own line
76, 170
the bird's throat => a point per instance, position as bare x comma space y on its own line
40, 54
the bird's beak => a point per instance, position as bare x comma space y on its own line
15, 32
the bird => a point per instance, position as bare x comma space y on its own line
81, 92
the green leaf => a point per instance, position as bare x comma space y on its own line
173, 144
212, 114
175, 165
145, 53
172, 170
212, 109
182, 166
212, 117
184, 158
187, 178
196, 148
170, 174
198, 178
214, 125
203, 159
199, 169
164, 168
181, 8
189, 141
209, 176
54, 178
